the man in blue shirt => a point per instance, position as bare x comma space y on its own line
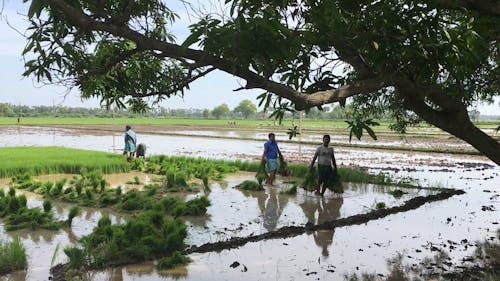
270, 155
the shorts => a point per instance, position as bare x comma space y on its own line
272, 165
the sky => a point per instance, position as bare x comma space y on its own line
214, 89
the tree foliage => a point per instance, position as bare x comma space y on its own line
246, 108
221, 110
418, 60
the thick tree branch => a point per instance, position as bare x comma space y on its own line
335, 95
486, 7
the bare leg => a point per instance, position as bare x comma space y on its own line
272, 175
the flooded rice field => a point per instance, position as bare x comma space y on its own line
452, 226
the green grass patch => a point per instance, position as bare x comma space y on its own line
12, 256
52, 160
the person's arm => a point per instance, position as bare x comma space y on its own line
312, 162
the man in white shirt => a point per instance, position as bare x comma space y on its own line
326, 158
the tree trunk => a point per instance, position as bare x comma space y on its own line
457, 123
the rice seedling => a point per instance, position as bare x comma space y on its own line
51, 160
137, 180
76, 257
175, 260
283, 168
261, 173
310, 182
12, 255
73, 212
193, 207
397, 193
250, 185
148, 235
291, 191
380, 205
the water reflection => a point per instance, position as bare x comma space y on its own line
271, 208
320, 210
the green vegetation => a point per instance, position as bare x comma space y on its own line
292, 190
18, 216
175, 260
147, 236
12, 256
51, 160
380, 205
397, 193
261, 173
250, 185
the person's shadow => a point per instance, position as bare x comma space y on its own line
318, 211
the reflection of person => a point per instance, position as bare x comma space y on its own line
326, 210
326, 158
272, 209
270, 155
130, 142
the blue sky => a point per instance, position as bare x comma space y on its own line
207, 92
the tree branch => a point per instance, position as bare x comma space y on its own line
178, 86
485, 7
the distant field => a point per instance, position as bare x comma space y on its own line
312, 124
163, 121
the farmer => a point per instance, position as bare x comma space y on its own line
270, 156
326, 158
130, 143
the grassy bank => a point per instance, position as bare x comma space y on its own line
52, 160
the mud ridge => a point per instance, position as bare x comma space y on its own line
58, 271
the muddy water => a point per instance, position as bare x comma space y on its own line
326, 255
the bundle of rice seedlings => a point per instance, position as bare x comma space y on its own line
283, 168
261, 173
310, 182
334, 183
250, 185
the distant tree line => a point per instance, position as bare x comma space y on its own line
245, 109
